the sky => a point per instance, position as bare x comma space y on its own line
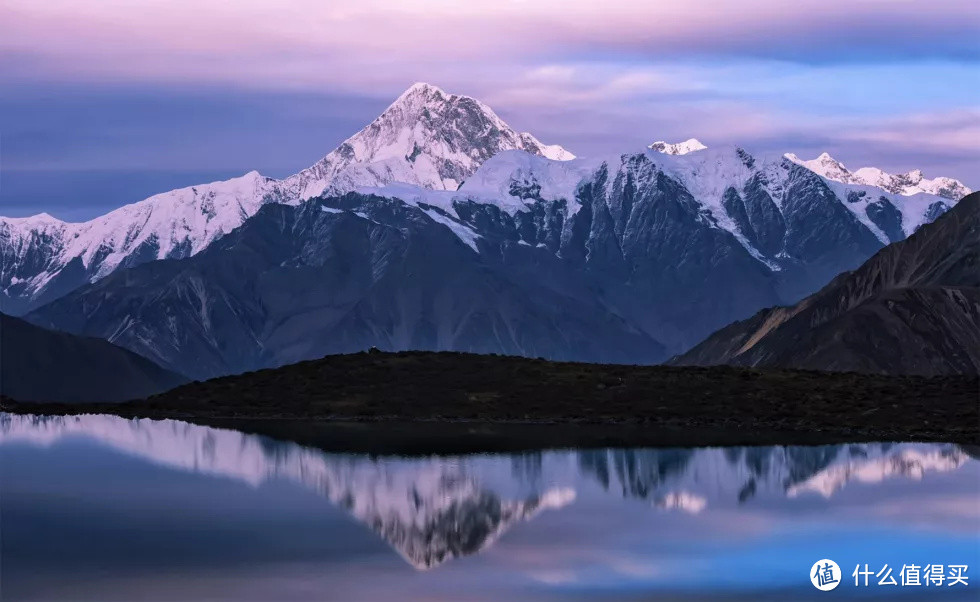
105, 102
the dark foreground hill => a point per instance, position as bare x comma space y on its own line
746, 405
913, 308
38, 364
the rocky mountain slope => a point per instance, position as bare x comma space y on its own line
427, 138
295, 283
913, 308
43, 365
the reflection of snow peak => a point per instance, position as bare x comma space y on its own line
682, 500
429, 510
437, 508
910, 463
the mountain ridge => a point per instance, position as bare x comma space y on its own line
906, 184
913, 308
37, 364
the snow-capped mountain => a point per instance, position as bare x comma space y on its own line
678, 148
624, 259
44, 258
434, 509
906, 184
426, 138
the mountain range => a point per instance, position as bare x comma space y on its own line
440, 227
909, 183
913, 308
426, 137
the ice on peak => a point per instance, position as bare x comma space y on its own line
678, 148
423, 87
907, 184
824, 165
43, 217
22, 228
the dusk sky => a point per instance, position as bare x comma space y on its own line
108, 101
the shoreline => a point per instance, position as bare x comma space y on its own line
464, 401
423, 436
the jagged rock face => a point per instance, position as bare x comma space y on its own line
757, 216
887, 217
914, 308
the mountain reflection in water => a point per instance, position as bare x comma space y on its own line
434, 509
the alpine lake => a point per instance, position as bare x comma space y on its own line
102, 508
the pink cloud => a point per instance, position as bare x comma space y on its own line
350, 44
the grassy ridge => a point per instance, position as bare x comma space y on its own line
453, 387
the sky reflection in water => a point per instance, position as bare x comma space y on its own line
103, 508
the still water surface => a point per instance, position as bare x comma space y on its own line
104, 508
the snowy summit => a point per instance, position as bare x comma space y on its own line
906, 184
428, 138
678, 148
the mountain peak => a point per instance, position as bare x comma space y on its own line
423, 92
677, 148
426, 137
914, 177
826, 166
37, 220
906, 184
423, 88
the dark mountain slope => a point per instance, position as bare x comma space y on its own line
302, 282
37, 364
913, 308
